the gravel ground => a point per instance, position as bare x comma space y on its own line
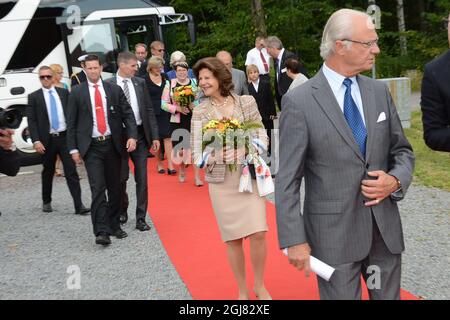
37, 250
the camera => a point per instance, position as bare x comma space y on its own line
10, 118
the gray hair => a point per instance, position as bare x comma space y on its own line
274, 42
177, 56
339, 26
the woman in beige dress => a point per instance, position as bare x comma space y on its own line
239, 215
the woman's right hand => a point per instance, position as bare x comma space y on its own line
183, 110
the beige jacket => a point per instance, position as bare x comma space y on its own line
245, 109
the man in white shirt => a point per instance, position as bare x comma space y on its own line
138, 97
47, 111
260, 58
96, 115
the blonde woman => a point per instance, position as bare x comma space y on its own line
156, 82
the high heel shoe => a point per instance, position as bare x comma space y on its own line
264, 296
161, 171
181, 177
171, 172
198, 182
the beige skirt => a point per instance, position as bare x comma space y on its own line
238, 214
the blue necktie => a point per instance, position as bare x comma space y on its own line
53, 111
354, 119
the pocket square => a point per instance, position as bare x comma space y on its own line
381, 117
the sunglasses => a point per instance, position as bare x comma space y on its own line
45, 77
161, 50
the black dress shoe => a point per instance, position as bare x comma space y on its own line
119, 234
83, 210
141, 225
103, 239
47, 207
123, 218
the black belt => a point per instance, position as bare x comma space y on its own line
102, 138
58, 134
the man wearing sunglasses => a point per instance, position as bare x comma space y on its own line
435, 100
47, 112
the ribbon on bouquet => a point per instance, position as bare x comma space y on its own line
264, 180
203, 160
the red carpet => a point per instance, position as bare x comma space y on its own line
185, 222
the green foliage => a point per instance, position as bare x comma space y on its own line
228, 25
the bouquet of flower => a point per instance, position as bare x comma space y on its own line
222, 133
184, 96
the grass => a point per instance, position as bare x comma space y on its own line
432, 167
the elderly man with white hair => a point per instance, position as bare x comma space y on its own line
341, 132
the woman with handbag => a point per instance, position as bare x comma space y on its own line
239, 215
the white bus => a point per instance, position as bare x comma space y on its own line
41, 32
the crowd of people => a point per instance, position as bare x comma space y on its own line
339, 131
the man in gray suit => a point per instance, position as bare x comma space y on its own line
238, 76
341, 132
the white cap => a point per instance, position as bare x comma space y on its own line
81, 58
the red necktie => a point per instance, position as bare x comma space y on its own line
266, 66
99, 112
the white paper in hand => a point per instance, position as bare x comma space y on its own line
320, 268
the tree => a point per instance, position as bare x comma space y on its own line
401, 28
259, 18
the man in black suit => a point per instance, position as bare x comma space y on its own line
279, 55
97, 112
435, 101
138, 97
47, 112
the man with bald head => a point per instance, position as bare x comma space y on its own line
239, 78
435, 100
341, 132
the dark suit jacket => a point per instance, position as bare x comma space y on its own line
264, 99
145, 108
80, 120
435, 102
78, 78
284, 81
38, 118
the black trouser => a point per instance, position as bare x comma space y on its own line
58, 146
139, 158
102, 163
268, 125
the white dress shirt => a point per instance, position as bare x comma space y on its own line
95, 132
256, 85
61, 118
254, 57
133, 98
336, 82
280, 56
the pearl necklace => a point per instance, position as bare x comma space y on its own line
221, 104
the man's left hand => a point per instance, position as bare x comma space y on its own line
131, 145
6, 138
380, 188
155, 145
